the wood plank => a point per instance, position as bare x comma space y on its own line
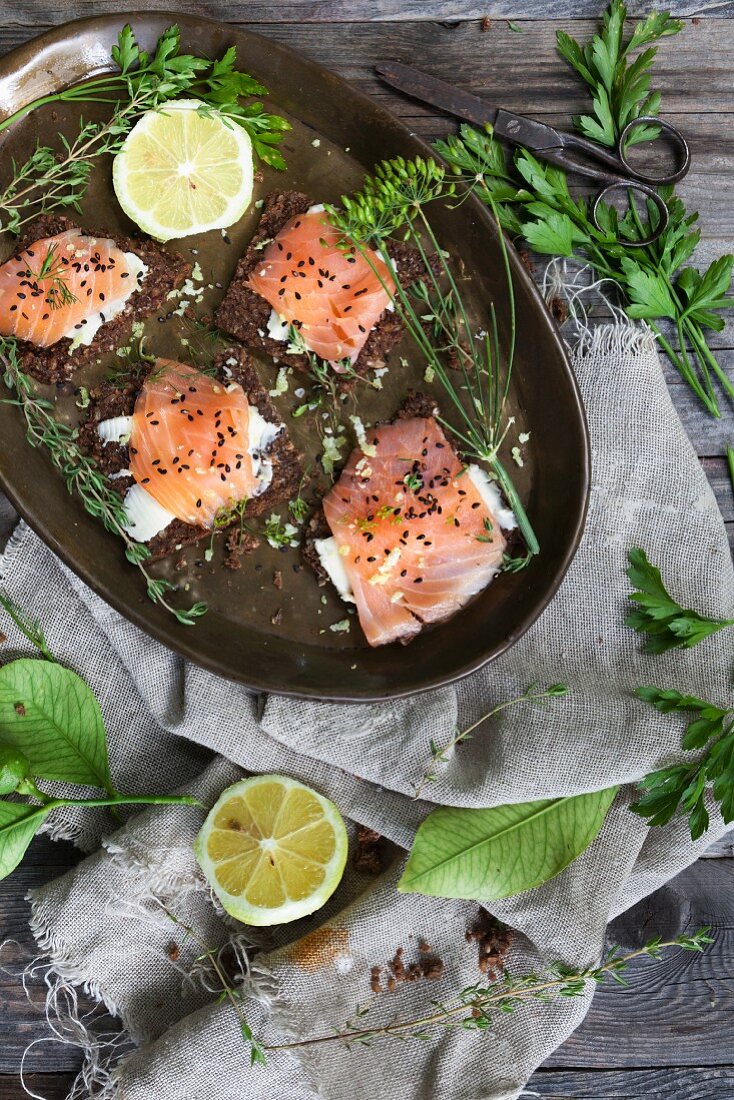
677, 1011
722, 849
21, 1021
718, 475
349, 11
637, 1084
520, 71
51, 1086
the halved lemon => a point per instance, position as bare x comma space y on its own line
272, 850
181, 172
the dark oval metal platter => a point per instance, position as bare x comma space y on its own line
278, 638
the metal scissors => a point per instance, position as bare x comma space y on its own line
575, 154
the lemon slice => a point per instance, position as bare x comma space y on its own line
272, 850
180, 172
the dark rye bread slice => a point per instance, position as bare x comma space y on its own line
244, 314
415, 405
117, 398
166, 271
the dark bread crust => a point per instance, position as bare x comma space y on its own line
244, 314
415, 405
166, 271
118, 399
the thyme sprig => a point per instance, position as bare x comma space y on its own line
471, 1009
392, 202
440, 754
29, 628
51, 179
475, 1007
231, 991
82, 475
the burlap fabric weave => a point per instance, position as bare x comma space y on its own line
102, 924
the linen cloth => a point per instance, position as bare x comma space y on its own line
102, 923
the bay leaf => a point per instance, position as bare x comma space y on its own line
497, 852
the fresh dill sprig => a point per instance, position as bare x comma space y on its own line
684, 786
666, 624
51, 179
279, 534
440, 754
58, 292
392, 202
476, 1007
82, 475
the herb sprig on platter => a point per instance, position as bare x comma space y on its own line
52, 179
82, 475
533, 203
474, 373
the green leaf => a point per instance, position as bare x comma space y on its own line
19, 823
571, 51
667, 624
555, 234
658, 24
49, 714
495, 853
649, 294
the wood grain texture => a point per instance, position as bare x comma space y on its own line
21, 1019
51, 1086
637, 1084
35, 12
676, 1011
7, 520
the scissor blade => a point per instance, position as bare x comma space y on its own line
437, 93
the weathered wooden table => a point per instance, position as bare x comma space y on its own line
671, 1034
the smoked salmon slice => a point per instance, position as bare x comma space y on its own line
332, 296
190, 443
59, 286
413, 530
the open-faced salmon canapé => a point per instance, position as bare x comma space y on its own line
295, 276
67, 295
333, 297
185, 447
409, 533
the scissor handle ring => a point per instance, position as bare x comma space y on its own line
649, 193
679, 141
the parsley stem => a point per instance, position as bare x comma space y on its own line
709, 402
704, 350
